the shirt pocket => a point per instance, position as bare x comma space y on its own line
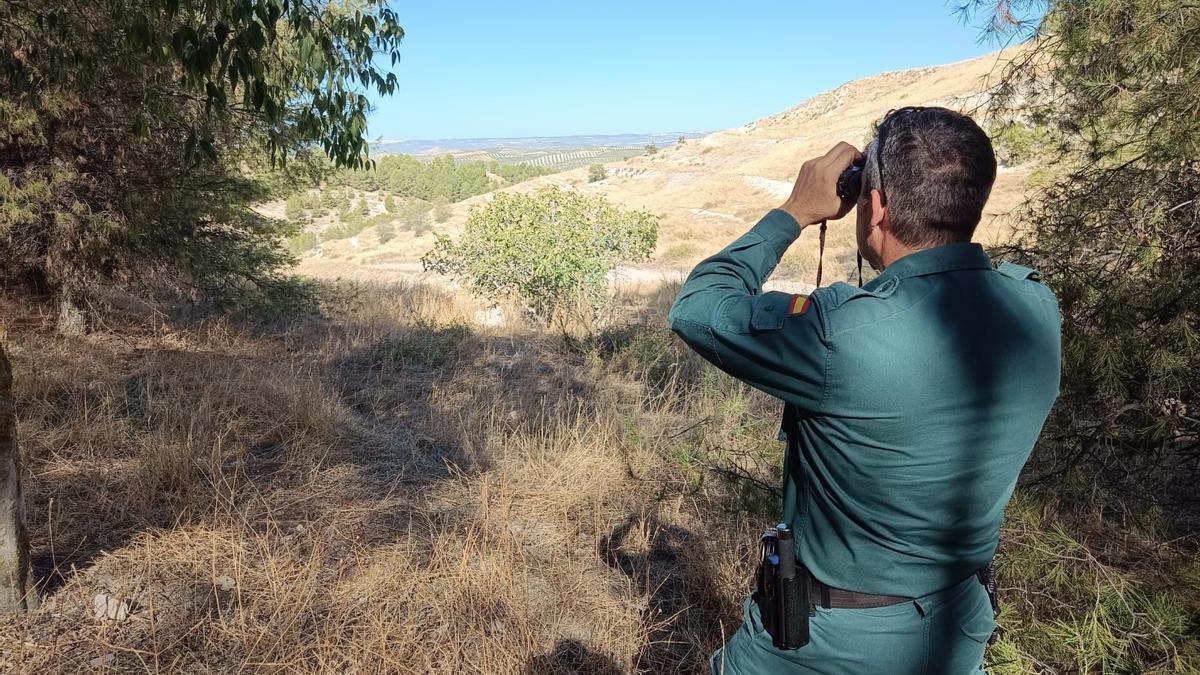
771, 310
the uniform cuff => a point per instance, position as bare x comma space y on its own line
779, 229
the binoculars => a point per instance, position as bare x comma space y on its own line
849, 184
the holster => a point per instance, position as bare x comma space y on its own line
782, 590
987, 577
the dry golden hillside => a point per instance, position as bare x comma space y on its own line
709, 190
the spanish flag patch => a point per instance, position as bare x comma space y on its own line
800, 305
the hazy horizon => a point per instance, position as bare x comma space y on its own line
487, 71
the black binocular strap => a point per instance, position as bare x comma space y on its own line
821, 254
821, 258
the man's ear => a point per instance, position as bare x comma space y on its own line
878, 209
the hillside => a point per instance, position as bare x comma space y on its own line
710, 189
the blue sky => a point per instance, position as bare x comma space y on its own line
496, 69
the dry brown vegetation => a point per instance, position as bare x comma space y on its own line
387, 490
392, 489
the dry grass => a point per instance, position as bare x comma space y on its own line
385, 491
395, 490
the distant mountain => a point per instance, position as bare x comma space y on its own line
532, 143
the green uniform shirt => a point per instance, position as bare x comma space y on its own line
911, 403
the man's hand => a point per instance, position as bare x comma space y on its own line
814, 198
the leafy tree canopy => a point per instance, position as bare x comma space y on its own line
1115, 84
135, 134
441, 178
301, 69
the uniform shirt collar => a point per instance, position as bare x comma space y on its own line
949, 258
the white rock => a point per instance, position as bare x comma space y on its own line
225, 583
107, 607
490, 317
101, 661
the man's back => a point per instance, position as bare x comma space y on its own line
938, 377
911, 405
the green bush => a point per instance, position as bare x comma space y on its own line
552, 250
192, 103
386, 231
294, 207
1107, 616
302, 242
442, 212
597, 172
1017, 142
428, 345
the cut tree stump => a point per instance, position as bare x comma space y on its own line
16, 591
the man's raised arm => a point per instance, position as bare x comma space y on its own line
773, 341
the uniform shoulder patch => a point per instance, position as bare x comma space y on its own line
799, 305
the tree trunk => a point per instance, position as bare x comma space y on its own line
16, 591
71, 320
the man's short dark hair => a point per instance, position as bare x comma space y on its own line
937, 168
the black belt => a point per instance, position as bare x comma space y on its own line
836, 598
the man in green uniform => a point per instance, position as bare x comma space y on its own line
911, 404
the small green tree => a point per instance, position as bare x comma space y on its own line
597, 172
386, 231
651, 149
416, 217
442, 211
294, 207
364, 209
389, 204
552, 250
1017, 142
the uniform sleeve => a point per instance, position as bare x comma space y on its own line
772, 341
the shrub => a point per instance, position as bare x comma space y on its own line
386, 231
1017, 142
597, 172
428, 345
551, 250
442, 212
302, 242
294, 207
